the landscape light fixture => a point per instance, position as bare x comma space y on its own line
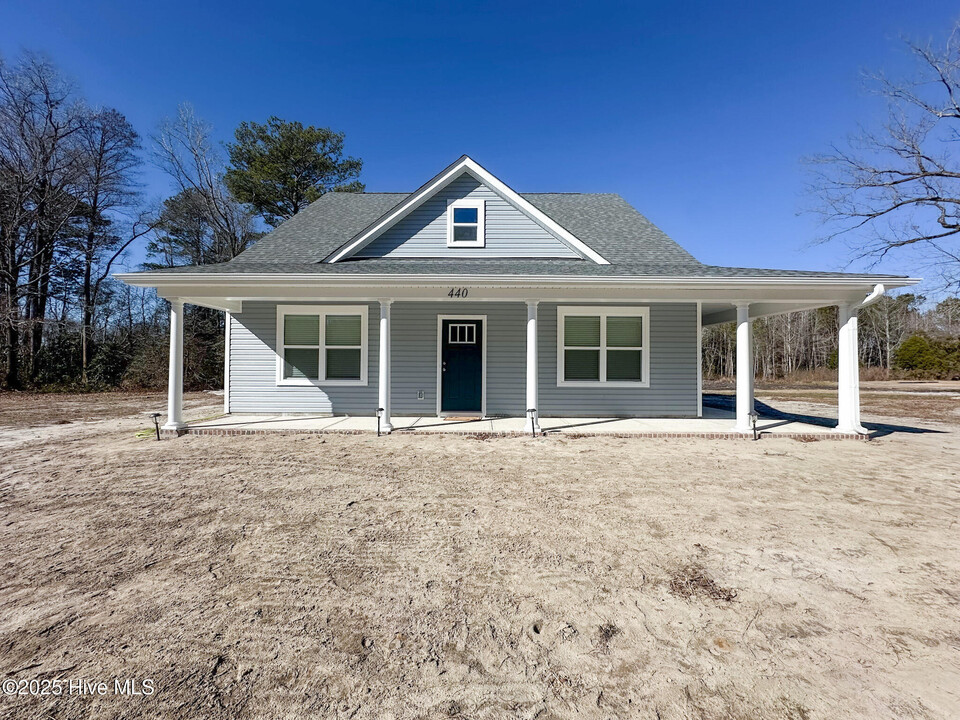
156, 423
532, 414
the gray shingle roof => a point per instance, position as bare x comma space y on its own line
633, 245
325, 225
605, 222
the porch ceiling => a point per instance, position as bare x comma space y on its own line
714, 313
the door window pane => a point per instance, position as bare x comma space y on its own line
301, 363
581, 364
624, 332
624, 365
343, 364
343, 330
301, 329
581, 331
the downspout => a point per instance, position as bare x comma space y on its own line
875, 294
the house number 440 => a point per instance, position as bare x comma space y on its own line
460, 292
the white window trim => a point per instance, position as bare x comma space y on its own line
480, 206
322, 311
604, 312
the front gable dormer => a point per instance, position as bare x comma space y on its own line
465, 213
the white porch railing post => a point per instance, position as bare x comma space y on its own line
384, 381
175, 376
848, 372
531, 411
744, 368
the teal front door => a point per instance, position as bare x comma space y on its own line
461, 366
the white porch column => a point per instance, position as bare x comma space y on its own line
744, 368
175, 377
848, 376
384, 384
226, 362
533, 419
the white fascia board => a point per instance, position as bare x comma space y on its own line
320, 280
467, 164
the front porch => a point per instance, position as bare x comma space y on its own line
398, 371
715, 423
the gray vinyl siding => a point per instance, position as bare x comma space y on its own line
253, 369
414, 355
673, 370
509, 233
673, 365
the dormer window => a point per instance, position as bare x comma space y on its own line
465, 223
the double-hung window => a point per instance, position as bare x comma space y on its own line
465, 223
324, 345
603, 345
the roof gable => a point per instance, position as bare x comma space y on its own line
460, 171
508, 232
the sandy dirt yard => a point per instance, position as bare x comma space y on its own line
466, 577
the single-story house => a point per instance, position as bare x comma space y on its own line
467, 298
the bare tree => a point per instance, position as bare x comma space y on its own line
109, 146
40, 170
900, 186
203, 223
185, 151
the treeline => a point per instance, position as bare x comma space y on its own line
900, 335
72, 209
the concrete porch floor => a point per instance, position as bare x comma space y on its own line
715, 422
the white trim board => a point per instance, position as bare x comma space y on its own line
468, 165
483, 371
242, 279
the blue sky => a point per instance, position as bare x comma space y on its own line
698, 113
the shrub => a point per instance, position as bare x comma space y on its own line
109, 363
59, 361
922, 355
148, 367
